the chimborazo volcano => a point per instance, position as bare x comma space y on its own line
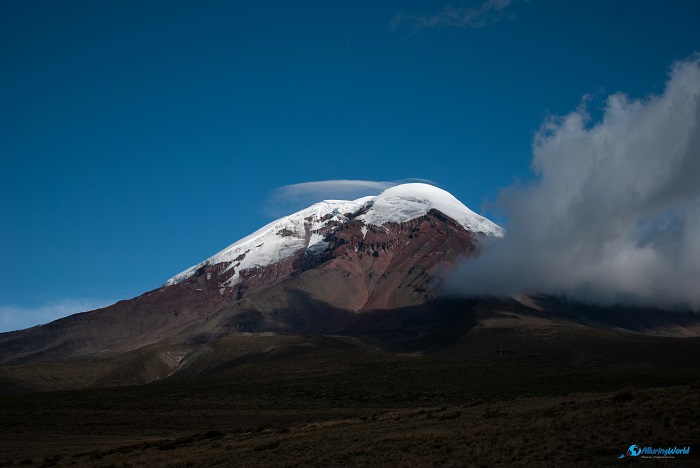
316, 270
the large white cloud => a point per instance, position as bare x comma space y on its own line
613, 214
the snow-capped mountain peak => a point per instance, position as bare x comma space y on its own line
408, 201
302, 230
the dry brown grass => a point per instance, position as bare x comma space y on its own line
575, 430
306, 406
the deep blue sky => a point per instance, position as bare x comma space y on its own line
138, 138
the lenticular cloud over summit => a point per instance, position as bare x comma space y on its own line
613, 214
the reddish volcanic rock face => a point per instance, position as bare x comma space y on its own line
394, 265
383, 267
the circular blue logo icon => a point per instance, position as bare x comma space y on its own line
634, 450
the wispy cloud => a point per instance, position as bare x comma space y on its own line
17, 318
613, 214
452, 16
290, 198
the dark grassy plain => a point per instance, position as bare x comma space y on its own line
493, 398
